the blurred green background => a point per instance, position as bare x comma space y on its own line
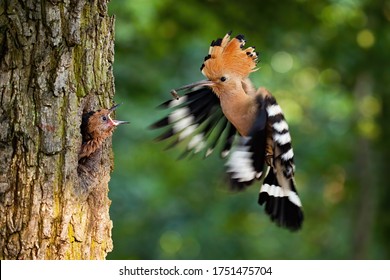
326, 62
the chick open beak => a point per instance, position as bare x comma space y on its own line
115, 122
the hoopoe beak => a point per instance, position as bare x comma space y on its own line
115, 122
203, 83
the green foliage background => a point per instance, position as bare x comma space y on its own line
326, 62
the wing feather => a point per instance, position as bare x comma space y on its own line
196, 118
278, 192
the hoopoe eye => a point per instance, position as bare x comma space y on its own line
223, 78
104, 118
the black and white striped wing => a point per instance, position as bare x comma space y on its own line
281, 138
278, 191
247, 160
197, 119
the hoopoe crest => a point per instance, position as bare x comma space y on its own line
226, 111
227, 59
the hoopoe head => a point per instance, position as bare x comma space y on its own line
228, 63
226, 66
99, 123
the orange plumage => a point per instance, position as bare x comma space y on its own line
214, 110
228, 56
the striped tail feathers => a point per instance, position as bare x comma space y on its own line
196, 118
281, 200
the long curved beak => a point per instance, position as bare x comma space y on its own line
203, 83
116, 122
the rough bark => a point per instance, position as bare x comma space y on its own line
55, 63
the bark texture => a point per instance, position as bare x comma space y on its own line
55, 63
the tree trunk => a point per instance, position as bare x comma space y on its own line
55, 64
368, 186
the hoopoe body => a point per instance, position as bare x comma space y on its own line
95, 127
214, 110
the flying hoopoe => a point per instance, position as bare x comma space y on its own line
215, 110
95, 127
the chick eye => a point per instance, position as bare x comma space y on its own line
223, 78
104, 118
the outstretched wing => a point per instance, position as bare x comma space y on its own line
268, 142
197, 118
281, 200
278, 191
